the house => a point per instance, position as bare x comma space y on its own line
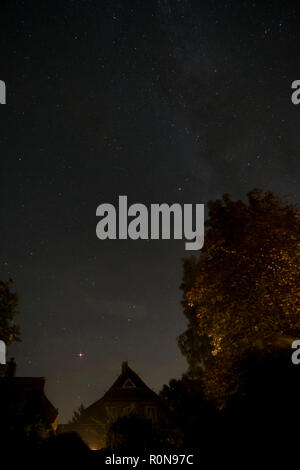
128, 394
23, 403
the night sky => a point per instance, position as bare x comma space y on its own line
162, 101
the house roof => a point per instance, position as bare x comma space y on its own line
129, 385
128, 388
25, 395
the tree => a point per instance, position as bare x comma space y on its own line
77, 414
193, 417
9, 300
243, 291
64, 444
131, 433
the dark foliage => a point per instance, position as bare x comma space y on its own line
64, 444
9, 300
131, 433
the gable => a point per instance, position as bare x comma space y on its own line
127, 388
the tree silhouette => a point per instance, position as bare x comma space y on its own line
243, 291
9, 331
131, 433
193, 417
77, 414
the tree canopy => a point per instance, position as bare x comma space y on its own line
9, 300
242, 292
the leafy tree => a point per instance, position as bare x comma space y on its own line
243, 291
9, 300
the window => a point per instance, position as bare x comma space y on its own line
112, 412
129, 409
128, 384
151, 413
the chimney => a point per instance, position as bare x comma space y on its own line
124, 367
11, 368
